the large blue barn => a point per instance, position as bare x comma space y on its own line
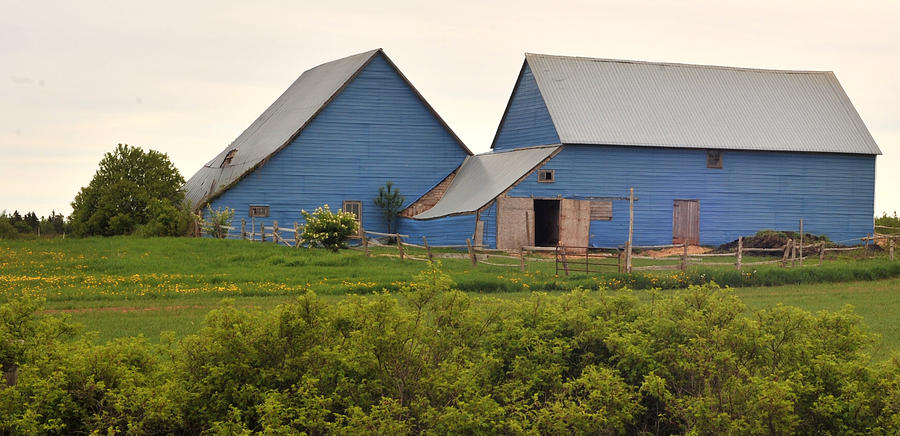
338, 133
712, 153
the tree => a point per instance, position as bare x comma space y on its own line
125, 192
390, 201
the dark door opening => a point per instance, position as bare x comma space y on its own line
546, 223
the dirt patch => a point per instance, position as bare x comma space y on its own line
772, 239
125, 309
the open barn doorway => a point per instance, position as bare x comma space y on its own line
546, 223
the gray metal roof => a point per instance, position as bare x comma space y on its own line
282, 122
483, 177
616, 102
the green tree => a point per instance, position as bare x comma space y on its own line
122, 197
390, 201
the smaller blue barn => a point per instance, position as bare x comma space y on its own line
338, 133
712, 153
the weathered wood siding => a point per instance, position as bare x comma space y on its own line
375, 130
527, 121
833, 193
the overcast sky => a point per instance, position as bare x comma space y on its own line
187, 77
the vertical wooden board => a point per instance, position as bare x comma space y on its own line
686, 222
574, 223
512, 222
479, 233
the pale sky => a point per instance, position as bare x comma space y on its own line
187, 77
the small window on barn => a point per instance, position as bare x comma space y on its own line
259, 211
546, 176
714, 158
601, 210
354, 207
229, 157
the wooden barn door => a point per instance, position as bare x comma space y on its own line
515, 223
574, 223
686, 222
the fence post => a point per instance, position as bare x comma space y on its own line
562, 253
427, 248
801, 241
522, 257
365, 242
684, 256
628, 257
787, 250
866, 255
891, 250
252, 227
296, 234
262, 232
275, 235
740, 252
471, 252
822, 254
630, 230
793, 253
587, 261
400, 247
243, 228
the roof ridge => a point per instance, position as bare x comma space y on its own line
679, 64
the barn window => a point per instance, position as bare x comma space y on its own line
259, 211
714, 158
546, 176
354, 207
229, 157
601, 210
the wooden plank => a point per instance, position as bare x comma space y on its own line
574, 224
400, 248
479, 233
740, 251
787, 250
513, 227
471, 252
686, 222
601, 210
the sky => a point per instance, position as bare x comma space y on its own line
187, 77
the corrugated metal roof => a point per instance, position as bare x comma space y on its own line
616, 102
483, 177
282, 122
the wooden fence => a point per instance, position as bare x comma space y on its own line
567, 258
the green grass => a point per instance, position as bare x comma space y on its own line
129, 286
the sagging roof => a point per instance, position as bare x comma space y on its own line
483, 177
282, 122
618, 102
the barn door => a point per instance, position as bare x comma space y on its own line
515, 223
574, 223
686, 222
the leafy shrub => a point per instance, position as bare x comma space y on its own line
328, 229
218, 221
432, 360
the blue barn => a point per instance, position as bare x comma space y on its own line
338, 133
712, 153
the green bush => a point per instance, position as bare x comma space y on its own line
217, 221
328, 229
432, 360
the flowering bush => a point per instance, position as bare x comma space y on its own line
328, 229
219, 221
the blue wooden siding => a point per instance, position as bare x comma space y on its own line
833, 193
451, 230
375, 130
527, 121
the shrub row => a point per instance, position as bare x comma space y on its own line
696, 276
431, 360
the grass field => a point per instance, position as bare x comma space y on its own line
130, 286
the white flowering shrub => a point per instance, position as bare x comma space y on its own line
328, 229
219, 221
